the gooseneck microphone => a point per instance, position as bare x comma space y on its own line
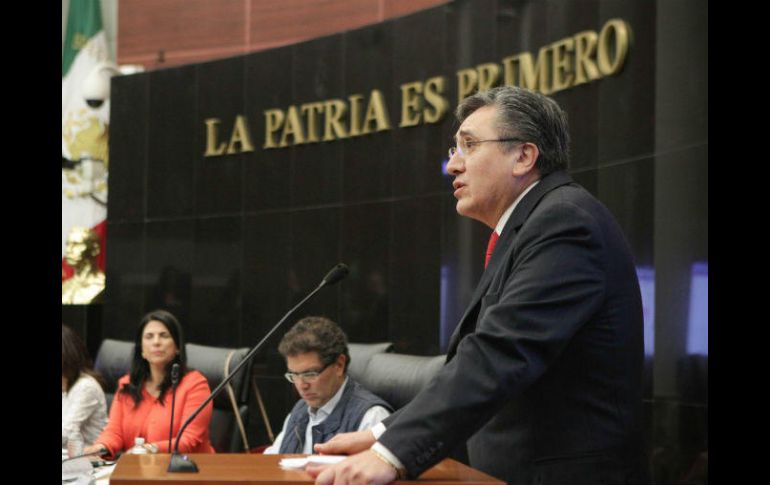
335, 274
174, 382
182, 463
100, 452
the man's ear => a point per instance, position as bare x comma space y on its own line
342, 359
526, 161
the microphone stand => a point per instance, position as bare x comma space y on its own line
174, 382
95, 453
182, 463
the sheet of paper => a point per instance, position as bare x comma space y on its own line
71, 469
293, 463
300, 463
103, 471
102, 474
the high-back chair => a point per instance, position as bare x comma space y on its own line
113, 361
397, 378
361, 354
230, 415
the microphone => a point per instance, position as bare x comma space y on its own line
99, 452
182, 463
174, 382
335, 274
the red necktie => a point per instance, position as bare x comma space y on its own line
490, 247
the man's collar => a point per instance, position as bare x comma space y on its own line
507, 214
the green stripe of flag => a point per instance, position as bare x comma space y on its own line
83, 22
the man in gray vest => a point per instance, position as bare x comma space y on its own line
317, 359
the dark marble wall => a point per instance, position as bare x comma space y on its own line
679, 444
230, 243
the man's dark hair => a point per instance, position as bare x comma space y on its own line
316, 334
527, 115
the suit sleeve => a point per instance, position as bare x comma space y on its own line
556, 282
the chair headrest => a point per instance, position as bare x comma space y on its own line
360, 354
113, 361
397, 378
210, 361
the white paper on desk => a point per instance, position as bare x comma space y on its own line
300, 463
76, 467
103, 471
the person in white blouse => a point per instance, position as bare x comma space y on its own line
331, 402
83, 405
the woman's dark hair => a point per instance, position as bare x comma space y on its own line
140, 368
75, 359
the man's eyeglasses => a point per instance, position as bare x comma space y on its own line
309, 376
463, 147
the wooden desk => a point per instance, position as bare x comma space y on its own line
241, 468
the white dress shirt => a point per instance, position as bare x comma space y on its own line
83, 409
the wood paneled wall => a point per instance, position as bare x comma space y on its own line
173, 32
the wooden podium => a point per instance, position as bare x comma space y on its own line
242, 468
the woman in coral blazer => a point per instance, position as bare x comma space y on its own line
142, 404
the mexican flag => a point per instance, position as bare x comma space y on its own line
84, 128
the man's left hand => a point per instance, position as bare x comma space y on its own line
363, 468
346, 443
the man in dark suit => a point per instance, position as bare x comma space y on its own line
543, 373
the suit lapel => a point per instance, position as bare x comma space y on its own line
530, 201
469, 317
503, 251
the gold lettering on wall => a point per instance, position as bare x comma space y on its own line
240, 139
339, 118
335, 109
585, 51
355, 113
410, 104
273, 122
212, 148
292, 128
522, 71
377, 113
438, 105
563, 64
621, 33
240, 136
467, 82
423, 101
488, 75
566, 63
311, 111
